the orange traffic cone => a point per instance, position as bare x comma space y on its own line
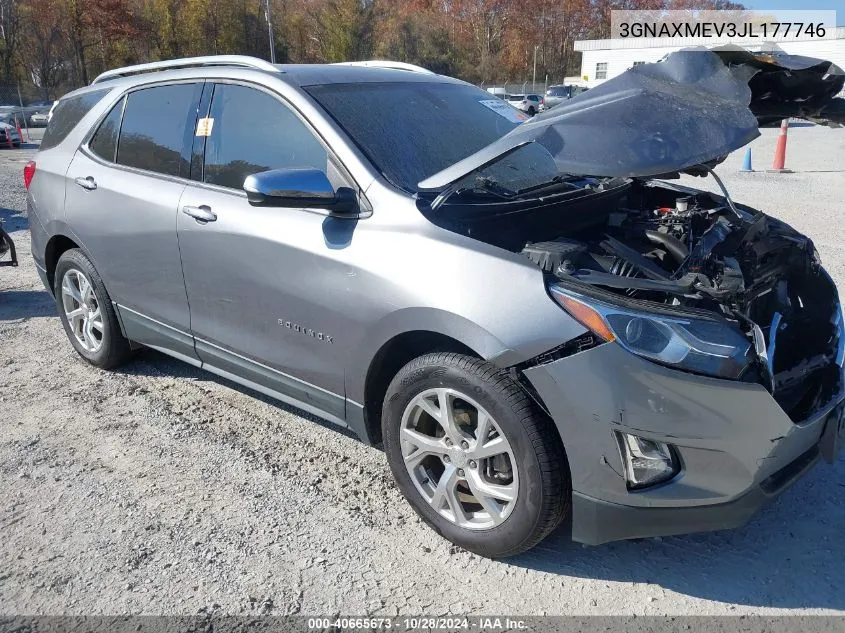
780, 149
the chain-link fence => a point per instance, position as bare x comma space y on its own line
516, 87
23, 116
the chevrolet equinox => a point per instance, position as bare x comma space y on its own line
535, 322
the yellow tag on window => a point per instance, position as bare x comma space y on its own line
204, 127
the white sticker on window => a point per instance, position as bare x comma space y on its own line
204, 127
509, 112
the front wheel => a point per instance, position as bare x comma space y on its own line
473, 455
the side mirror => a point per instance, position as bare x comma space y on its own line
299, 188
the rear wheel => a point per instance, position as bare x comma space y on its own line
531, 111
473, 455
86, 312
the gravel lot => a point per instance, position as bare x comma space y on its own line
160, 489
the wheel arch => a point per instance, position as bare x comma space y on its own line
398, 338
56, 246
389, 359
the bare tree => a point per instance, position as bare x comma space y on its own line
9, 35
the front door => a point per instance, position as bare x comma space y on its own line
259, 278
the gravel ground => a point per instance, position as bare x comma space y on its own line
160, 489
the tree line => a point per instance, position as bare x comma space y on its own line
50, 46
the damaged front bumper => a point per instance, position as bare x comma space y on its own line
737, 448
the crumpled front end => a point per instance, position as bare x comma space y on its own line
737, 448
717, 338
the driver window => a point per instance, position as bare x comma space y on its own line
251, 131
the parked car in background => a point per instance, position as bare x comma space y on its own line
39, 112
9, 135
530, 104
556, 94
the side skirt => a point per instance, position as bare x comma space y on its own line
241, 370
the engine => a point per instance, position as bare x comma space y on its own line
666, 246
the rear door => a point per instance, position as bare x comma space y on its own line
123, 193
257, 277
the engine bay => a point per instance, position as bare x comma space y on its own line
673, 246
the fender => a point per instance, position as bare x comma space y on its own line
483, 342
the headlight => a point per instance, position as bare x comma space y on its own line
699, 345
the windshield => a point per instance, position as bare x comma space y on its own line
411, 131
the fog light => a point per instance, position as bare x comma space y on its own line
647, 462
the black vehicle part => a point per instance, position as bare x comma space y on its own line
672, 244
552, 255
786, 85
7, 245
645, 265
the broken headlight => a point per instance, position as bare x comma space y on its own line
704, 346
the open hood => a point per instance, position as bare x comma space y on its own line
693, 107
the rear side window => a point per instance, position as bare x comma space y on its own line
68, 113
155, 126
253, 132
104, 141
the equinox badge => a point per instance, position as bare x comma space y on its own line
295, 327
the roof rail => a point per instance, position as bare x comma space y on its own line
383, 63
240, 61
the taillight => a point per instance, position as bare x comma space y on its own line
28, 174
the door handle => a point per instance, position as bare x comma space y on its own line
89, 184
201, 214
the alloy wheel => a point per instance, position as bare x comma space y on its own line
82, 310
459, 459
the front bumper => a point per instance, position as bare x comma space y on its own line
738, 449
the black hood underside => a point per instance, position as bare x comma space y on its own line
694, 107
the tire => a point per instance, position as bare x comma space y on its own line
532, 111
107, 347
540, 477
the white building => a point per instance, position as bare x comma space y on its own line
603, 59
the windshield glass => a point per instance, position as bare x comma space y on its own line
413, 130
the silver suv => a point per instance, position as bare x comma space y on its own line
535, 330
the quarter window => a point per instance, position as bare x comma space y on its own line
104, 141
252, 131
601, 70
155, 126
67, 114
